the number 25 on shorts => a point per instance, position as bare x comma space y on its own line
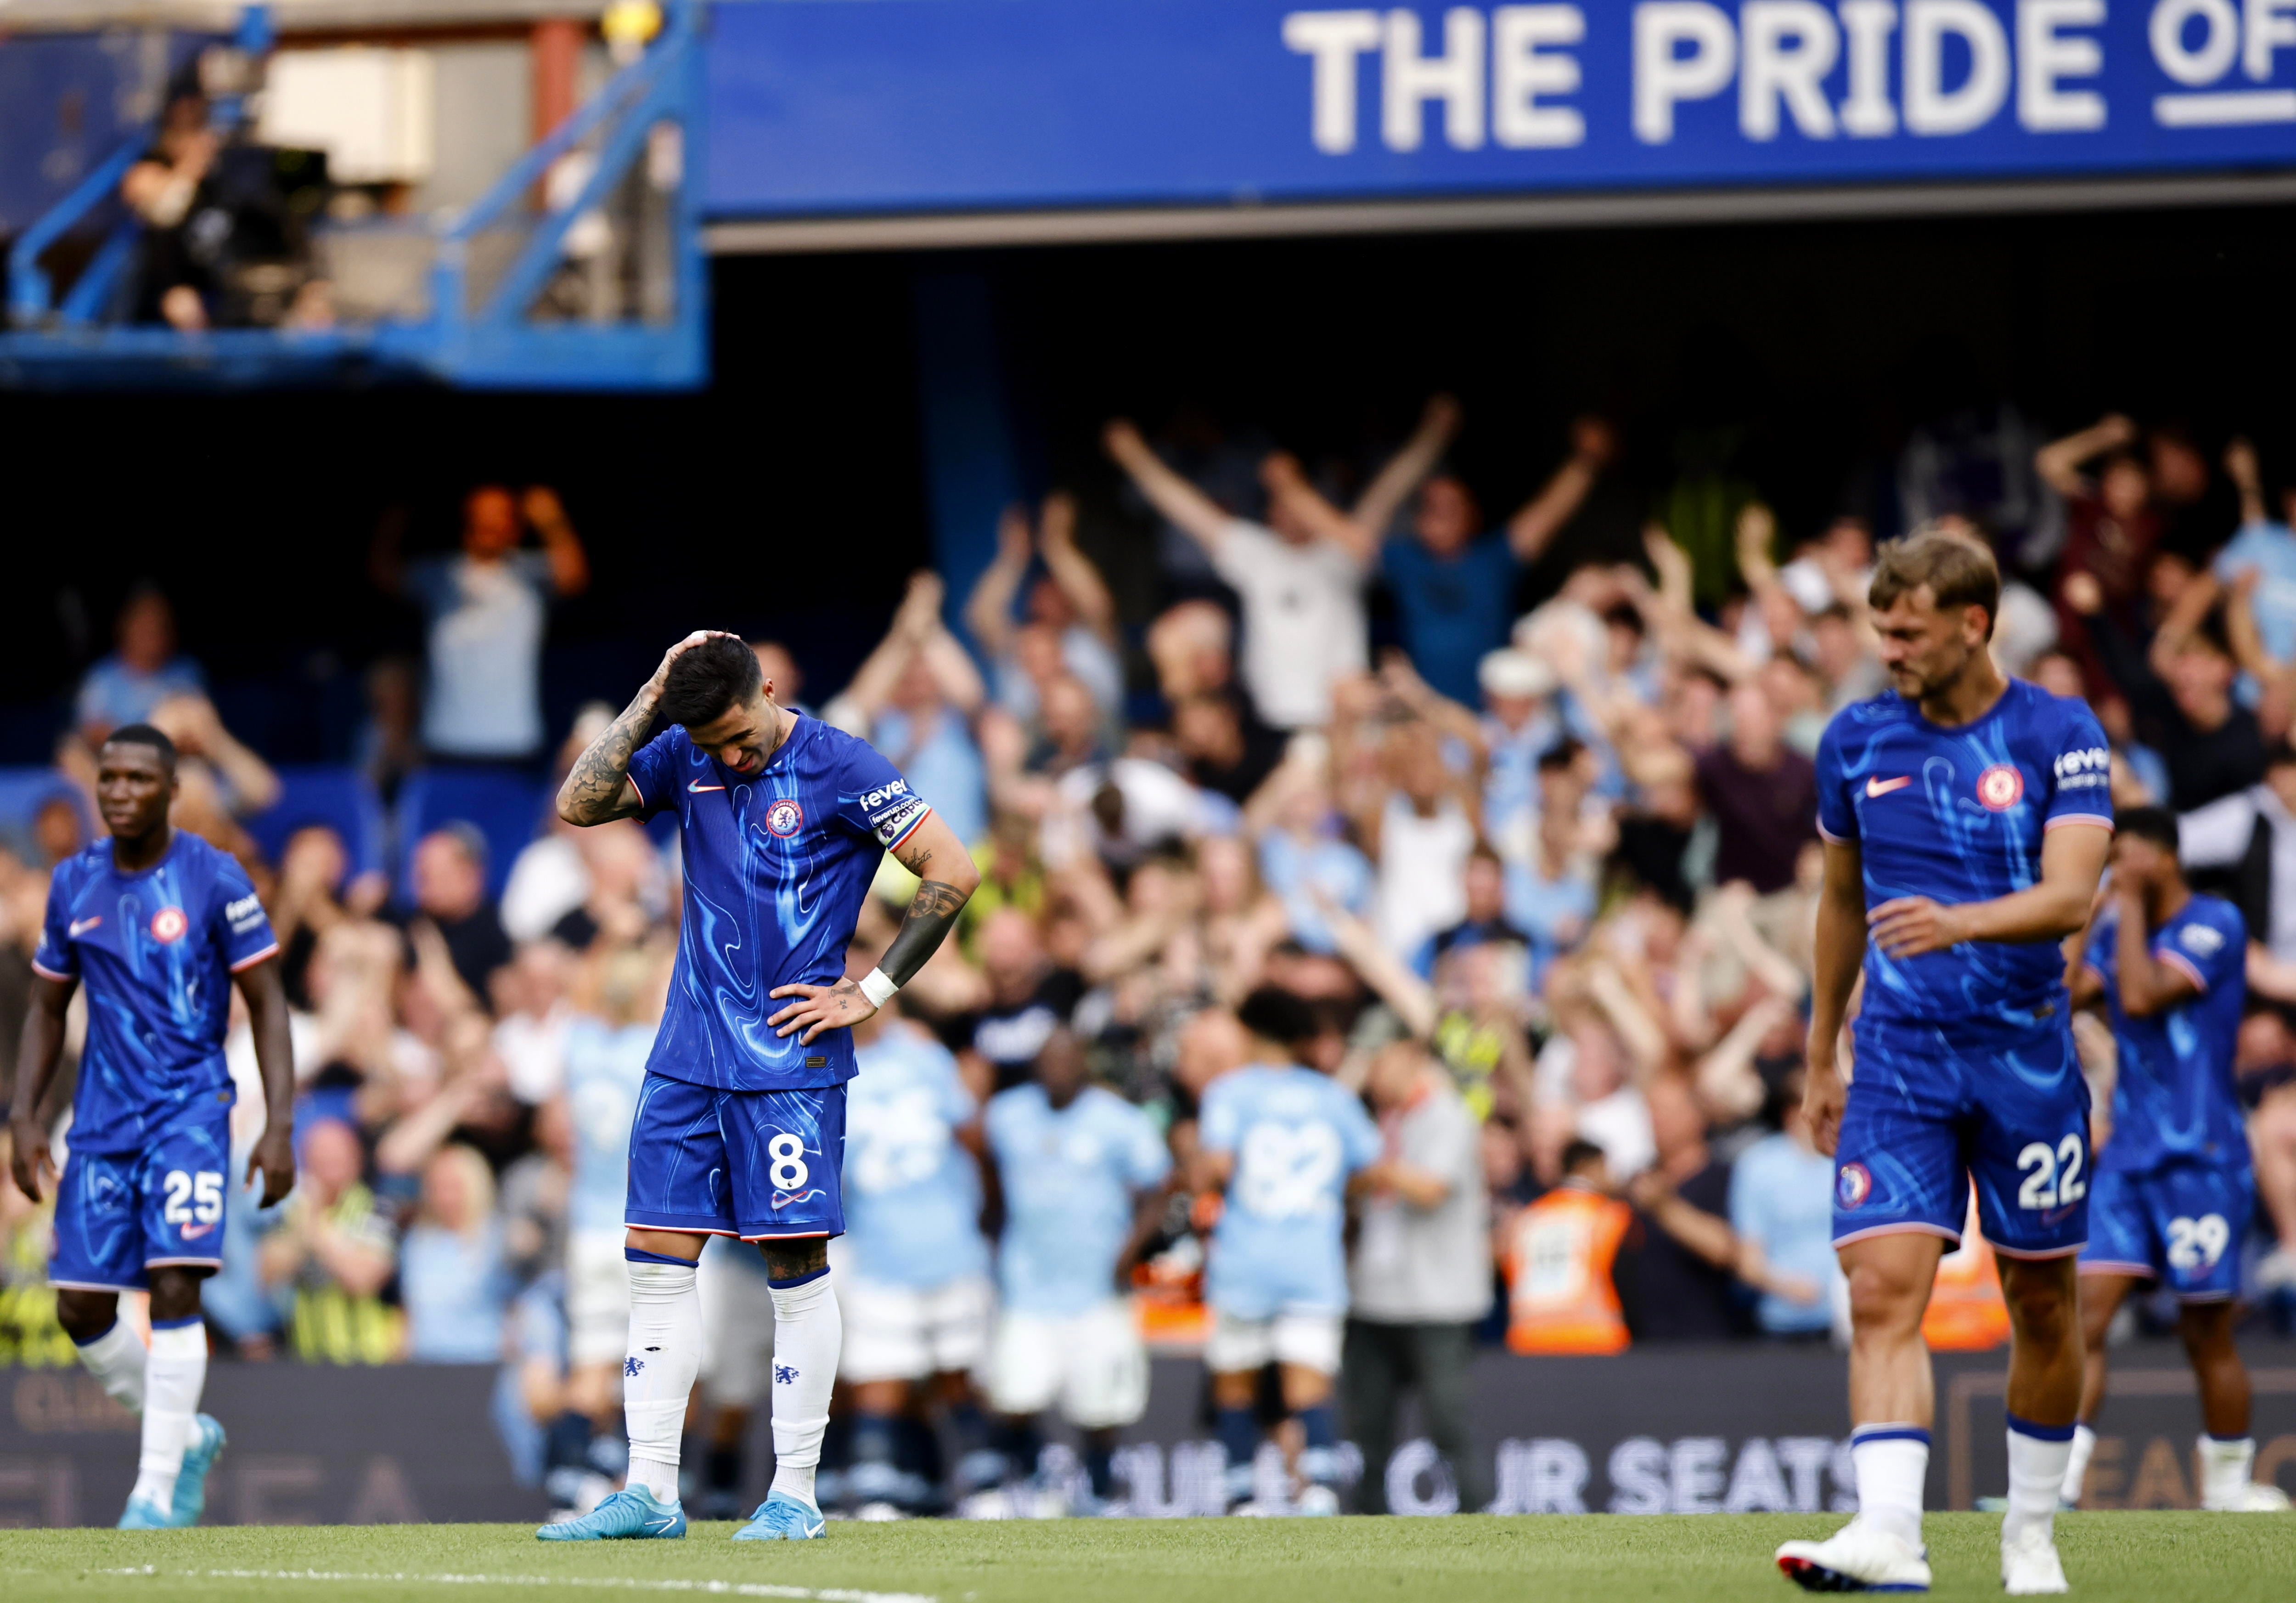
192, 1197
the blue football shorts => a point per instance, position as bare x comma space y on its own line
120, 1213
1928, 1116
2180, 1224
762, 1165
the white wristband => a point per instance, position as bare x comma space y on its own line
878, 987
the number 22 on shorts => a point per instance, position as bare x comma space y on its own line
2052, 1178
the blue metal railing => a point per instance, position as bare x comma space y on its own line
31, 295
499, 344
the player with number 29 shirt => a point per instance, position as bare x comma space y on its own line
2168, 968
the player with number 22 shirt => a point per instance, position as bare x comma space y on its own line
1966, 820
740, 1128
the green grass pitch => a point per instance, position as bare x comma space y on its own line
2141, 1557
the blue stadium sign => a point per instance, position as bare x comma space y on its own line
827, 108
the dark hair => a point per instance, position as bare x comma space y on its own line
2280, 754
1578, 1153
1562, 754
1960, 571
145, 734
1274, 1013
707, 679
2157, 825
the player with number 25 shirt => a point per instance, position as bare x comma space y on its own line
153, 926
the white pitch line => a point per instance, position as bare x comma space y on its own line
731, 1588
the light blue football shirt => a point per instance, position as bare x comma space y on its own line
1069, 1177
912, 1192
1296, 1137
605, 1066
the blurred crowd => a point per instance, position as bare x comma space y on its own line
1524, 816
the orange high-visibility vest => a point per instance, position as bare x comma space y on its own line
1966, 1313
1560, 1296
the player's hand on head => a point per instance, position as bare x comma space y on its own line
820, 1007
662, 674
1908, 926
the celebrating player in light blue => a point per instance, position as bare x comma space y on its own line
1966, 820
157, 924
2174, 1189
912, 1282
1283, 1141
1083, 1175
741, 1123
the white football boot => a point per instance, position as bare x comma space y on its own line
2029, 1566
2254, 1498
1859, 1558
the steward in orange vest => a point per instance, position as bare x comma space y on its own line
1559, 1257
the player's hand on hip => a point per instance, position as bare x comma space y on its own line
273, 1158
1909, 925
28, 1155
819, 1007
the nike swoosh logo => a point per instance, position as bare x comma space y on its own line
80, 926
1882, 787
697, 787
192, 1232
664, 1524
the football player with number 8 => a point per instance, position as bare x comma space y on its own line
740, 1128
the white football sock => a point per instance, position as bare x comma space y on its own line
116, 1359
2076, 1465
1893, 1463
172, 1377
807, 1333
658, 1376
2037, 1474
2225, 1463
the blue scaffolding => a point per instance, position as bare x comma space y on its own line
479, 326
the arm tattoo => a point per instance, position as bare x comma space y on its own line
932, 913
593, 790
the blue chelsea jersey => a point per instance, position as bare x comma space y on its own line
775, 865
912, 1191
1958, 815
2174, 1096
1296, 1136
155, 950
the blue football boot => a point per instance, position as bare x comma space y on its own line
144, 1515
206, 1444
631, 1512
782, 1517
